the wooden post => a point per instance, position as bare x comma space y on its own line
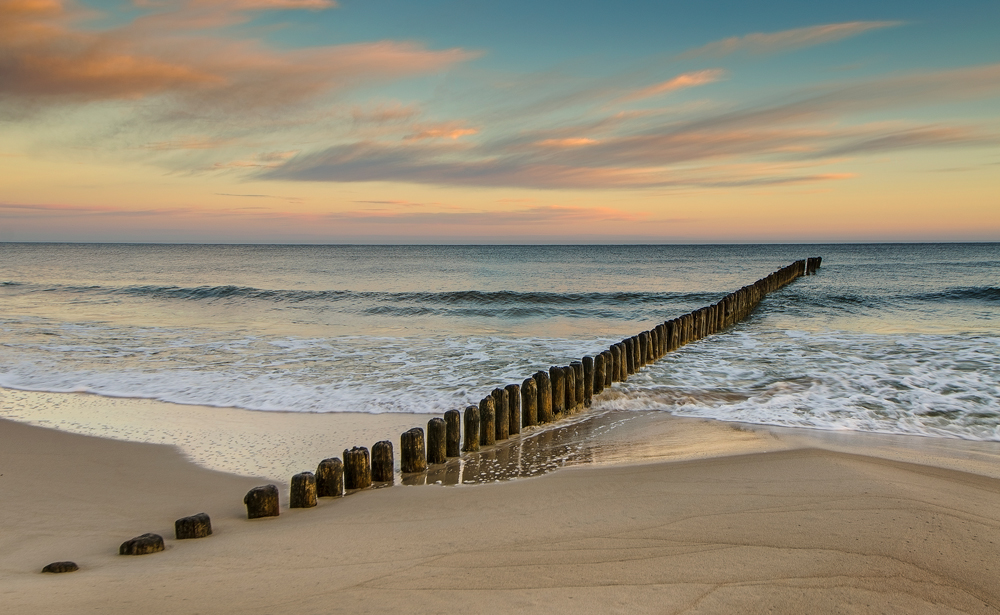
650, 343
514, 408
487, 422
501, 408
195, 526
357, 468
643, 340
303, 491
437, 435
262, 502
412, 454
529, 402
558, 380
635, 354
471, 429
383, 462
621, 373
453, 437
330, 478
588, 381
569, 374
609, 367
544, 386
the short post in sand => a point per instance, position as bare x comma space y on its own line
330, 478
487, 422
588, 380
453, 437
569, 374
558, 379
544, 387
529, 402
357, 468
412, 454
437, 450
514, 408
302, 493
382, 462
471, 429
262, 502
195, 526
501, 407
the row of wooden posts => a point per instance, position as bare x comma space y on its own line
544, 397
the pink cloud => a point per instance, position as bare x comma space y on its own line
680, 82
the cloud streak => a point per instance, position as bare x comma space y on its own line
762, 43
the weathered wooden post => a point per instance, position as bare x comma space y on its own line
330, 478
142, 545
357, 468
487, 421
453, 433
303, 491
514, 408
558, 379
650, 357
599, 373
544, 386
588, 381
437, 449
383, 462
569, 375
529, 402
262, 502
618, 350
471, 429
412, 454
501, 406
195, 526
609, 368
643, 339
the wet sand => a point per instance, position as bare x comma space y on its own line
700, 517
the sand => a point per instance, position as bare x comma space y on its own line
788, 528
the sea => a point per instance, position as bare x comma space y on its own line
886, 338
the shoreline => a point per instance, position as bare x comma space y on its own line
790, 530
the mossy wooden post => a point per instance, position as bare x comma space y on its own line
357, 468
437, 435
487, 422
581, 385
195, 526
544, 385
650, 358
453, 437
635, 354
501, 419
302, 493
588, 381
558, 379
514, 408
330, 478
471, 429
383, 462
412, 454
643, 339
569, 374
609, 365
529, 402
619, 362
262, 502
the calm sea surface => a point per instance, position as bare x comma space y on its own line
887, 338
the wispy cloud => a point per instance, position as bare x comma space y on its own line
680, 82
760, 43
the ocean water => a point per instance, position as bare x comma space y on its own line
886, 338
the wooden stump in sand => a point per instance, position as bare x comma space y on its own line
558, 379
471, 429
501, 409
588, 380
142, 545
569, 374
453, 436
412, 454
382, 462
357, 468
487, 422
262, 502
330, 478
437, 449
579, 373
599, 374
544, 401
514, 408
195, 526
303, 491
529, 402
57, 567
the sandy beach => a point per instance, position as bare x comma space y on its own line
759, 521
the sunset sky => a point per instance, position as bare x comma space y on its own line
459, 121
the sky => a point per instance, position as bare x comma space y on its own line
460, 121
